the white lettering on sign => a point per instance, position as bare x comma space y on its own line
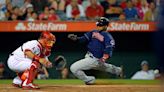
128, 27
41, 27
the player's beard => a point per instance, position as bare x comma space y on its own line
104, 28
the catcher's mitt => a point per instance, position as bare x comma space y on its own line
60, 62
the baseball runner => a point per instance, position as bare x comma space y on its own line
28, 58
100, 45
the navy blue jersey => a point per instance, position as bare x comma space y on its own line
99, 43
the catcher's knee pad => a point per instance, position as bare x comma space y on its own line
35, 64
34, 68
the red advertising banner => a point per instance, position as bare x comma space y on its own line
19, 26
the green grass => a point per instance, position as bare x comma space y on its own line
100, 81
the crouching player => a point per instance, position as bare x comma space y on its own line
27, 59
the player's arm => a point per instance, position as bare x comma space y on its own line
31, 51
109, 45
29, 54
35, 57
108, 49
86, 37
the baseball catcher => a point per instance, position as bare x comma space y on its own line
100, 45
27, 59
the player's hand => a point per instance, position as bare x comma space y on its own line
45, 62
102, 60
48, 64
72, 37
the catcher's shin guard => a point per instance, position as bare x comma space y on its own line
32, 72
28, 83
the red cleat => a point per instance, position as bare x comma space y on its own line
30, 86
16, 85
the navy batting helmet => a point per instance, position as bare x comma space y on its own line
102, 22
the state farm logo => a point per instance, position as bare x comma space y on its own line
32, 26
132, 26
20, 26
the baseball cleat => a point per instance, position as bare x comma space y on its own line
91, 81
120, 72
88, 83
30, 86
17, 85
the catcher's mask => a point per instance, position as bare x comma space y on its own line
48, 38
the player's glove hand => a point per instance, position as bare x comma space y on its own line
48, 64
72, 37
45, 62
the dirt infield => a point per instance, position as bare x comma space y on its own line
85, 88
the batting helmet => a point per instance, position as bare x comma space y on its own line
102, 22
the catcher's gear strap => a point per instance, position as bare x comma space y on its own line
36, 58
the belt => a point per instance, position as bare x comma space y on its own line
90, 55
11, 54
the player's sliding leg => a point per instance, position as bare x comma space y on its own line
109, 68
28, 83
84, 64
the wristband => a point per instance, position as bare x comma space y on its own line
105, 56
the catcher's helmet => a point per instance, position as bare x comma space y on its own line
102, 22
50, 39
48, 36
